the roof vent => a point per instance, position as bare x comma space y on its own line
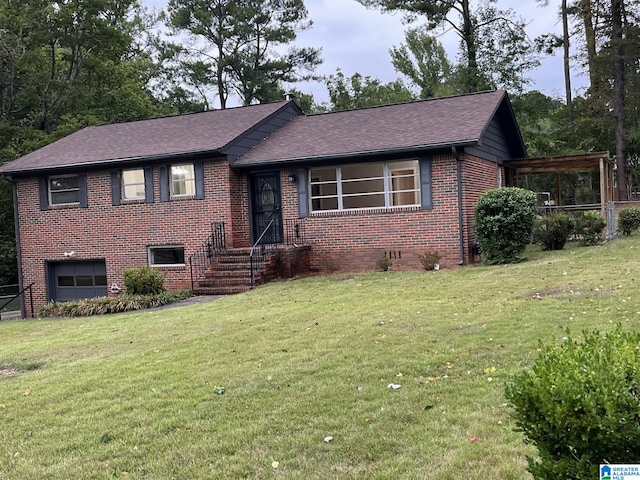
289, 96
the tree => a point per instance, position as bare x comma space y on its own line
493, 42
423, 60
358, 91
617, 7
235, 45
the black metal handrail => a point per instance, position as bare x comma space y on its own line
10, 299
200, 261
294, 234
256, 260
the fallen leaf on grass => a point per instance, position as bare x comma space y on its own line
275, 464
27, 392
327, 439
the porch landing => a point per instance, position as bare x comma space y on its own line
230, 271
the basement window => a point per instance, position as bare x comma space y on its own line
166, 256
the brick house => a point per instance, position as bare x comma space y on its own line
192, 194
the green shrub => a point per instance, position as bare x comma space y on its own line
105, 305
383, 264
590, 225
143, 281
552, 231
628, 221
504, 220
429, 260
580, 405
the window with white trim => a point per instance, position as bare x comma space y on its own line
64, 190
365, 185
182, 180
133, 186
166, 256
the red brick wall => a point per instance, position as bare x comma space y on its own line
356, 240
478, 176
121, 234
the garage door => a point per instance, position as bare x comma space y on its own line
76, 280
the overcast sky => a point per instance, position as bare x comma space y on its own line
356, 39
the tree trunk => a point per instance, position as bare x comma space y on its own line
567, 66
617, 7
586, 13
468, 37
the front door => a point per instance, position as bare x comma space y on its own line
266, 208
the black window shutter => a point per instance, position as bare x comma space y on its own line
115, 188
164, 183
198, 171
82, 187
42, 190
148, 184
426, 195
303, 196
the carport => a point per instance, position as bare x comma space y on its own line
586, 162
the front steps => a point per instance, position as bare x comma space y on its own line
230, 273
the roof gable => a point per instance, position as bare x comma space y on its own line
211, 131
423, 125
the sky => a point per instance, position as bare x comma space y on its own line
356, 39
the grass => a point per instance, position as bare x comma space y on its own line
139, 395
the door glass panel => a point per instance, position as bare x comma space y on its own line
84, 281
66, 281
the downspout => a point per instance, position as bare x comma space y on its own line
454, 150
16, 221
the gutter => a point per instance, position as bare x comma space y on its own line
454, 150
332, 157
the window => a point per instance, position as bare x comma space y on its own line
64, 190
365, 185
183, 180
133, 184
166, 255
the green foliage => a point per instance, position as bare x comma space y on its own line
423, 60
590, 225
383, 264
504, 221
628, 220
252, 56
429, 260
105, 305
358, 91
552, 231
580, 404
143, 281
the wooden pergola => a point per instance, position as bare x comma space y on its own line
587, 162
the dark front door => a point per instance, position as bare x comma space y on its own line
76, 280
266, 208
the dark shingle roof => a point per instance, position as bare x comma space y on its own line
166, 136
425, 124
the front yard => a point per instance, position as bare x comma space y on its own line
382, 375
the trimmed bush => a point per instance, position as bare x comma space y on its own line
504, 220
590, 226
429, 260
105, 305
143, 281
552, 231
628, 221
383, 264
580, 405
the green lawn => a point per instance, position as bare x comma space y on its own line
139, 395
